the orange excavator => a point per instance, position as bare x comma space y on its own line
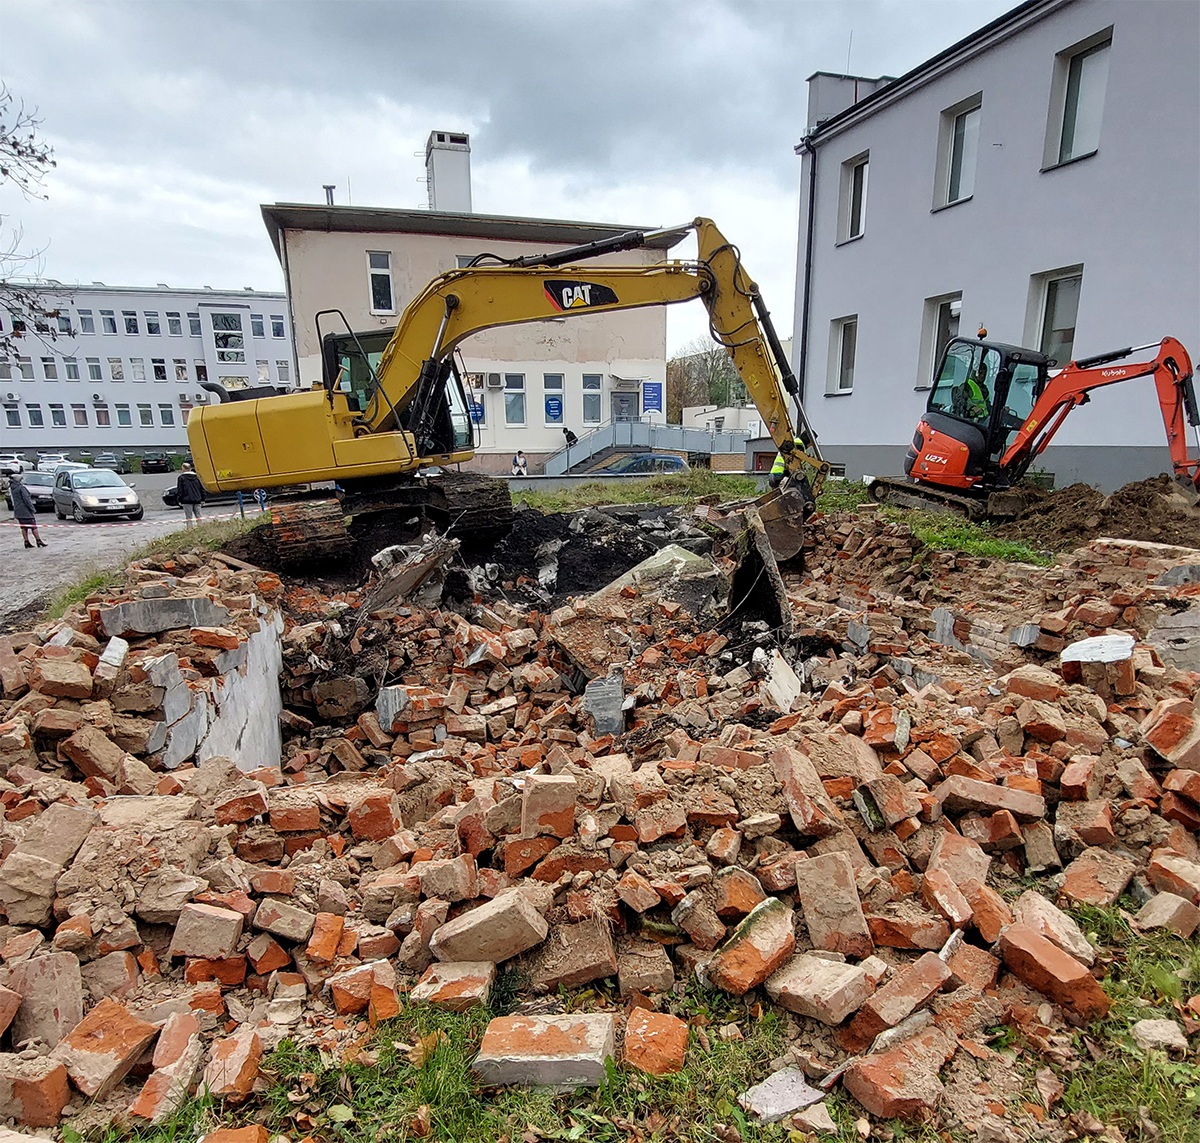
994, 408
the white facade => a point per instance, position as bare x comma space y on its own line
122, 366
723, 418
1040, 179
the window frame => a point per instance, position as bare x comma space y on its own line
1035, 309
12, 416
947, 134
174, 323
166, 415
550, 392
837, 351
137, 369
71, 366
108, 318
79, 416
158, 365
258, 326
847, 220
58, 417
145, 416
33, 414
380, 271
195, 325
277, 323
132, 328
116, 369
153, 323
87, 321
283, 370
103, 417
930, 354
517, 388
49, 368
1052, 157
592, 393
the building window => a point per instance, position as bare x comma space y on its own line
79, 414
137, 368
12, 416
49, 369
64, 324
124, 420
194, 325
1059, 312
146, 416
87, 323
152, 323
71, 364
181, 372
201, 370
1077, 100
379, 265
166, 414
958, 151
174, 324
25, 366
552, 399
264, 372
116, 369
131, 321
514, 398
102, 418
592, 383
58, 416
5, 369
852, 205
34, 413
284, 372
159, 365
108, 321
227, 333
257, 329
843, 345
939, 324
277, 325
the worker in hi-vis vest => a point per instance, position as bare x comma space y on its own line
779, 468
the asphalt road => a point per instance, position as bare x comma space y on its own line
30, 576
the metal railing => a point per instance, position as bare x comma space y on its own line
643, 435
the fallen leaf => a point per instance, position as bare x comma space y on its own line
422, 1051
863, 1127
1087, 1122
702, 1036
340, 1113
419, 1125
1049, 1087
1148, 1128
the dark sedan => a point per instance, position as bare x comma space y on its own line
41, 488
112, 462
156, 462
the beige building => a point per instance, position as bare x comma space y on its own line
526, 383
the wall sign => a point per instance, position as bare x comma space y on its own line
554, 410
652, 396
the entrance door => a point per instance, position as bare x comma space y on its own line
626, 406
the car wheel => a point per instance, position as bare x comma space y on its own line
59, 513
138, 514
79, 514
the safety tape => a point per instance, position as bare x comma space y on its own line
126, 523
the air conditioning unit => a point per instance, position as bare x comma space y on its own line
495, 381
97, 397
10, 396
200, 398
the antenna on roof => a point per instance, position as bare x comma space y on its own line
849, 48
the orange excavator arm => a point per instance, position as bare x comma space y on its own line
1172, 373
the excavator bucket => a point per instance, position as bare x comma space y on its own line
782, 514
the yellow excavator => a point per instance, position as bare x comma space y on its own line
411, 412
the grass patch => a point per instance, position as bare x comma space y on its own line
669, 488
945, 532
842, 495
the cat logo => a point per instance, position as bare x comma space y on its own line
566, 295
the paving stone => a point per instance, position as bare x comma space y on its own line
101, 1049
832, 911
559, 1052
755, 949
455, 986
1169, 911
655, 1042
33, 1092
826, 990
903, 1083
502, 928
206, 931
1046, 968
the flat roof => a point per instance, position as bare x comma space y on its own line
282, 216
50, 285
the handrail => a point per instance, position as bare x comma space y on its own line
642, 434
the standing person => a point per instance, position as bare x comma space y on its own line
520, 464
23, 509
571, 437
191, 494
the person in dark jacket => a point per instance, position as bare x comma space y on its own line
24, 510
572, 439
191, 494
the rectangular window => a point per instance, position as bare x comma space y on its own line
108, 321
166, 414
131, 320
123, 417
116, 369
87, 323
257, 329
852, 206
264, 372
58, 416
174, 324
34, 413
49, 368
284, 372
71, 364
379, 268
227, 333
102, 416
592, 383
277, 325
79, 415
194, 325
12, 416
1083, 101
514, 398
146, 416
181, 370
25, 365
552, 381
958, 151
137, 368
938, 325
5, 370
152, 323
93, 368
64, 324
201, 371
159, 366
843, 344
1058, 317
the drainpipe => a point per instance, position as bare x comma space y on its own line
806, 146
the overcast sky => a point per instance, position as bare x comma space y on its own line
172, 121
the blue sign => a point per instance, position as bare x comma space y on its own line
652, 396
554, 410
477, 412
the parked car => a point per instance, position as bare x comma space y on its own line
11, 462
69, 466
645, 462
49, 461
156, 462
41, 488
170, 497
109, 460
91, 492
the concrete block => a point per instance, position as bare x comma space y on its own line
150, 616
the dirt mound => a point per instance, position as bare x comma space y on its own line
1152, 510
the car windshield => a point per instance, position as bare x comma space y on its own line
41, 478
98, 480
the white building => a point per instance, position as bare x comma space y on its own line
123, 365
1038, 178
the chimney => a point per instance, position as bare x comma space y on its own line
448, 171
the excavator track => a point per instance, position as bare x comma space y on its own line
888, 490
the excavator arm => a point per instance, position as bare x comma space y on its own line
315, 436
1172, 373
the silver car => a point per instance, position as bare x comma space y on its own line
89, 493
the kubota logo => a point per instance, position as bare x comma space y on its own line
1113, 372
